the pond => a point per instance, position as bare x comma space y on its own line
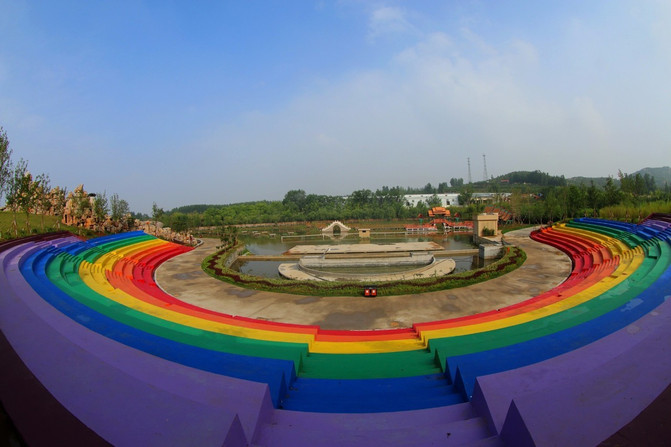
275, 246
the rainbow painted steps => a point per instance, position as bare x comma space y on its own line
107, 347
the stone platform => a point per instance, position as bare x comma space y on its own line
437, 268
409, 259
364, 248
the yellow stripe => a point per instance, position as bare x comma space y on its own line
366, 347
93, 275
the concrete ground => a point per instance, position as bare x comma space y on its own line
545, 268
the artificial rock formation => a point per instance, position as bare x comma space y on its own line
79, 212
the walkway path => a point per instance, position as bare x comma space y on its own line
545, 268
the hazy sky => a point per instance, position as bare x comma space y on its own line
232, 101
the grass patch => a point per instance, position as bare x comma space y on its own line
51, 223
634, 213
214, 265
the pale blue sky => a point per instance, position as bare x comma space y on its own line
224, 102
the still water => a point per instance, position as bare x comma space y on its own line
274, 246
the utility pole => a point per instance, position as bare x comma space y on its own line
469, 170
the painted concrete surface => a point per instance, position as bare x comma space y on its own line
545, 268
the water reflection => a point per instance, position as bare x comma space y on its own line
271, 246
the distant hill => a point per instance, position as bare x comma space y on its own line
598, 181
531, 178
661, 175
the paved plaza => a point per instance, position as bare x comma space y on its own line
545, 268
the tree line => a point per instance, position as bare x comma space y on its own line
529, 203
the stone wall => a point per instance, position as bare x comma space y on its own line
166, 233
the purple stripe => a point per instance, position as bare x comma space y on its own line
108, 385
599, 387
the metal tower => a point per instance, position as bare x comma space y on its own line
469, 170
484, 159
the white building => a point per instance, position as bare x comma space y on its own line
452, 199
446, 199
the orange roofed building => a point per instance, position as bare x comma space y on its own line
439, 211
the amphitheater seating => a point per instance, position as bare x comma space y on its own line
566, 331
135, 385
78, 314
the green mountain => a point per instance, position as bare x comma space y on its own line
530, 178
598, 181
661, 175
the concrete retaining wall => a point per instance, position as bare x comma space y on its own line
490, 251
233, 256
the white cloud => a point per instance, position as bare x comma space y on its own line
435, 45
478, 42
416, 122
388, 20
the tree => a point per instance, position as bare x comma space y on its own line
43, 196
611, 193
58, 197
428, 189
456, 182
228, 235
516, 203
551, 206
575, 200
179, 222
650, 185
595, 198
639, 185
360, 198
296, 198
5, 162
100, 206
118, 207
80, 204
156, 214
13, 187
465, 196
434, 201
21, 193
